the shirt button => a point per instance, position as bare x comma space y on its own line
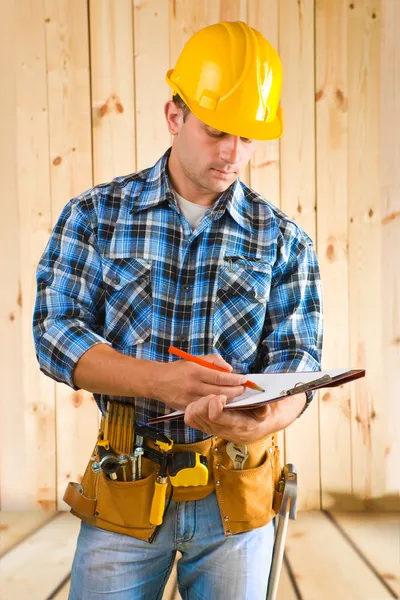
116, 278
185, 288
182, 339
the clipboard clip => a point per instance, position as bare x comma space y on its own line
300, 387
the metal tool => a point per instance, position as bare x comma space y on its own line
109, 460
287, 486
133, 459
138, 452
238, 454
160, 490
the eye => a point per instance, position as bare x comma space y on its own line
215, 133
246, 140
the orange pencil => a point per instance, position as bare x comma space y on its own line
204, 363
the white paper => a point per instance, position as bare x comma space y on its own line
274, 384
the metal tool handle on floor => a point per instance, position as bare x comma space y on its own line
287, 486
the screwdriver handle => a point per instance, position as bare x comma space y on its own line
158, 502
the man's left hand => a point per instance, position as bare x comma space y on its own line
242, 426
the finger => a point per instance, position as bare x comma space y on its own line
222, 379
196, 413
204, 389
218, 361
216, 406
210, 410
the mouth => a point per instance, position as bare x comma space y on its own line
224, 174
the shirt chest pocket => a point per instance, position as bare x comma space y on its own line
128, 301
239, 313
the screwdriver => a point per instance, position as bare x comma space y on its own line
160, 490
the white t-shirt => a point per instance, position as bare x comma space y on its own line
191, 211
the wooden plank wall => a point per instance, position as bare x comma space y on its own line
83, 86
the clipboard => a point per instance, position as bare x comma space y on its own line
279, 386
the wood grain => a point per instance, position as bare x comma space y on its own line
36, 455
298, 201
152, 61
35, 568
12, 413
365, 230
377, 536
16, 526
67, 49
318, 554
112, 81
332, 238
390, 223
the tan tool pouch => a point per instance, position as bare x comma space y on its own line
245, 497
119, 506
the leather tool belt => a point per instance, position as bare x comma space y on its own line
247, 498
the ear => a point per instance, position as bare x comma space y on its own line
174, 117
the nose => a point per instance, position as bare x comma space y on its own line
230, 149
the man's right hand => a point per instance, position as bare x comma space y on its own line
103, 370
181, 382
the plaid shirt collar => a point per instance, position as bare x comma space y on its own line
158, 189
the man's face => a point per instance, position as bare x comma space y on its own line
209, 160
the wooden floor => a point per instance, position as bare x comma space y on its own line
351, 556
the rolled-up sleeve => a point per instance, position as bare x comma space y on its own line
68, 311
294, 323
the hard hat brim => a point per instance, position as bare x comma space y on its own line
253, 130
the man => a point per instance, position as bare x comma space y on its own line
185, 254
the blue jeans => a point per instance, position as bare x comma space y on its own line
212, 566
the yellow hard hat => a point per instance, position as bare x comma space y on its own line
230, 77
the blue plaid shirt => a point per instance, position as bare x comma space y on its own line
123, 267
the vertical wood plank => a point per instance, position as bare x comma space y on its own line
296, 37
36, 461
332, 239
368, 409
67, 46
151, 42
112, 75
390, 235
265, 164
11, 398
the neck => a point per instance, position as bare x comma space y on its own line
186, 188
